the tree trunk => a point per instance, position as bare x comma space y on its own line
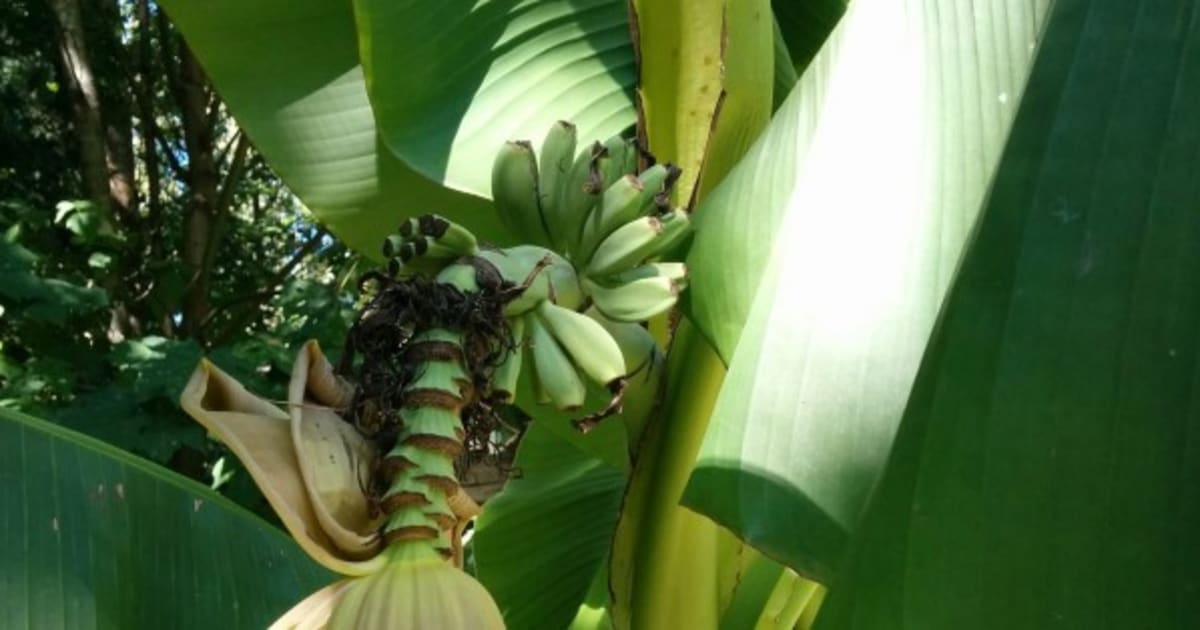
148, 132
85, 101
200, 222
105, 145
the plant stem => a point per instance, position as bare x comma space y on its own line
668, 563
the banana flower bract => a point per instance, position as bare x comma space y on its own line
312, 466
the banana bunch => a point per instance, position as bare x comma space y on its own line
597, 232
612, 223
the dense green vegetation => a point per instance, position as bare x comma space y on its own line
185, 243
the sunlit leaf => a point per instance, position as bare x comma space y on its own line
1045, 474
452, 81
835, 241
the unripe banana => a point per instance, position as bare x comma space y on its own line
439, 230
460, 275
617, 159
556, 373
593, 350
577, 198
392, 245
554, 164
620, 204
637, 241
636, 301
448, 234
619, 207
676, 271
429, 247
540, 395
643, 369
659, 181
515, 192
504, 379
411, 248
549, 275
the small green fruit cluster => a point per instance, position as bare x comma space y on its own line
610, 223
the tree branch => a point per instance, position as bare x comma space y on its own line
173, 160
233, 175
252, 301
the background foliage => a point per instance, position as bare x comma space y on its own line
110, 292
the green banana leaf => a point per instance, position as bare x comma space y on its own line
97, 538
543, 539
452, 81
290, 74
862, 193
1047, 471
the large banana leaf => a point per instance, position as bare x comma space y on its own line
97, 538
543, 539
452, 81
834, 242
1047, 471
290, 73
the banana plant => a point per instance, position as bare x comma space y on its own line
934, 358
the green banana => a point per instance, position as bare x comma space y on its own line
635, 301
440, 230
656, 181
504, 379
392, 245
589, 345
675, 271
637, 241
643, 369
543, 274
556, 373
461, 275
616, 158
515, 192
577, 198
425, 244
554, 170
453, 236
619, 206
407, 249
428, 246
